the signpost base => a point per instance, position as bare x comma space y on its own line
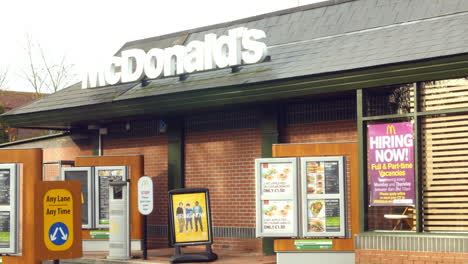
206, 256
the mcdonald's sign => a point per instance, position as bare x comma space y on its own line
391, 130
145, 195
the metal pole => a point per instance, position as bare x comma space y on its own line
145, 249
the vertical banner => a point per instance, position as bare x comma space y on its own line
391, 164
276, 197
190, 216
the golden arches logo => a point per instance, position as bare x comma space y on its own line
145, 182
391, 130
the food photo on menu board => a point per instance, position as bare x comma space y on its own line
277, 178
278, 216
322, 177
323, 215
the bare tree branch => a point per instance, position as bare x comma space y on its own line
34, 73
3, 78
59, 74
42, 73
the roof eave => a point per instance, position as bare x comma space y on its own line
178, 103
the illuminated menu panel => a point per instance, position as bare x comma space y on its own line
323, 212
277, 208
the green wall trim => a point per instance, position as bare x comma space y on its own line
94, 140
175, 153
178, 102
362, 148
270, 135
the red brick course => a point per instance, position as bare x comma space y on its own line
223, 162
365, 256
331, 131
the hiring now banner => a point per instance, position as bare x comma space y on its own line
391, 164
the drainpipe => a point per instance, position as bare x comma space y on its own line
102, 132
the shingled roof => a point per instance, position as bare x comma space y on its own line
314, 40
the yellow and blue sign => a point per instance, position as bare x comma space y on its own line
58, 219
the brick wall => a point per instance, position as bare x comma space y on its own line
408, 257
319, 132
223, 161
154, 150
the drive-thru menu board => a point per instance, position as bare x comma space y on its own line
8, 208
276, 197
323, 213
103, 176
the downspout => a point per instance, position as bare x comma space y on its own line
102, 132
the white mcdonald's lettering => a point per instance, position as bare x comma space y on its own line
393, 141
239, 46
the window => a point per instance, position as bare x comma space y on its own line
438, 111
84, 175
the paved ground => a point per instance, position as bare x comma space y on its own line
162, 256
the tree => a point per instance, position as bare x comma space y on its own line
3, 78
43, 73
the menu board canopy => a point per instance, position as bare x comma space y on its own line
276, 197
323, 196
104, 175
84, 175
9, 179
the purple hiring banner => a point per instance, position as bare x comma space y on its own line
391, 164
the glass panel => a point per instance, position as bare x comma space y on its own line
391, 181
444, 94
396, 99
117, 192
81, 176
323, 196
445, 176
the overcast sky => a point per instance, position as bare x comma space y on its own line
90, 31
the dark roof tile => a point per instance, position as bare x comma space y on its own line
304, 41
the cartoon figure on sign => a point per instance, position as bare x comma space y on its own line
188, 217
180, 217
198, 212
